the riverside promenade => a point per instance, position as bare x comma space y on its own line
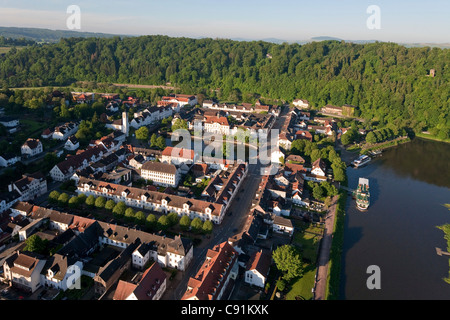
320, 288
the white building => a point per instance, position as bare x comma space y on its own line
301, 103
257, 269
23, 271
151, 286
30, 186
31, 147
178, 156
7, 160
160, 173
65, 131
72, 143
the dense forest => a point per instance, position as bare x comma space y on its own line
389, 83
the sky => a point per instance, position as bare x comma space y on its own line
403, 21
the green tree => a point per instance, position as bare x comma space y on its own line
74, 202
150, 221
185, 223
179, 124
196, 225
288, 260
53, 197
90, 201
129, 214
153, 140
119, 208
142, 133
318, 192
81, 198
139, 217
371, 138
207, 227
173, 218
163, 222
63, 199
100, 202
35, 244
109, 205
161, 142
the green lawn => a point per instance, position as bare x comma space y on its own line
307, 239
302, 287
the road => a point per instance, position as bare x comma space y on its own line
231, 225
324, 254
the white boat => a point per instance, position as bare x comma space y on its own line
362, 194
362, 160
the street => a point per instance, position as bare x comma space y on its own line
231, 225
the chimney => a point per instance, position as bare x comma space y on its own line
10, 187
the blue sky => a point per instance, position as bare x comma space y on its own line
401, 20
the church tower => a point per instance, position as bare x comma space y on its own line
125, 127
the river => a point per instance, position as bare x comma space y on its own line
409, 185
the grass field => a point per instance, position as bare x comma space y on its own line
307, 238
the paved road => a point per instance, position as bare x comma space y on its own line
324, 254
231, 225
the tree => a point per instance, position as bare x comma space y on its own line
140, 217
90, 201
288, 260
63, 199
163, 222
150, 221
207, 227
196, 225
173, 218
142, 133
74, 202
109, 205
371, 138
318, 192
185, 223
161, 143
179, 124
129, 214
153, 140
53, 197
119, 208
81, 198
35, 244
100, 202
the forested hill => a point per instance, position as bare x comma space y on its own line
388, 82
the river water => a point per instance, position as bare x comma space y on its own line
409, 185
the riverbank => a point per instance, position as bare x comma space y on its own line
431, 137
335, 262
385, 145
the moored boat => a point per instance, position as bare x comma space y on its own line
362, 160
362, 194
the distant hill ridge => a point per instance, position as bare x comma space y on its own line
48, 35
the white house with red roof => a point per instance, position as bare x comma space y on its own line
257, 269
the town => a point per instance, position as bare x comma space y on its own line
126, 214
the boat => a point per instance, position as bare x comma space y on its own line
362, 160
362, 194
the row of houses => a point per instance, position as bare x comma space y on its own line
28, 187
211, 208
258, 107
97, 150
77, 239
